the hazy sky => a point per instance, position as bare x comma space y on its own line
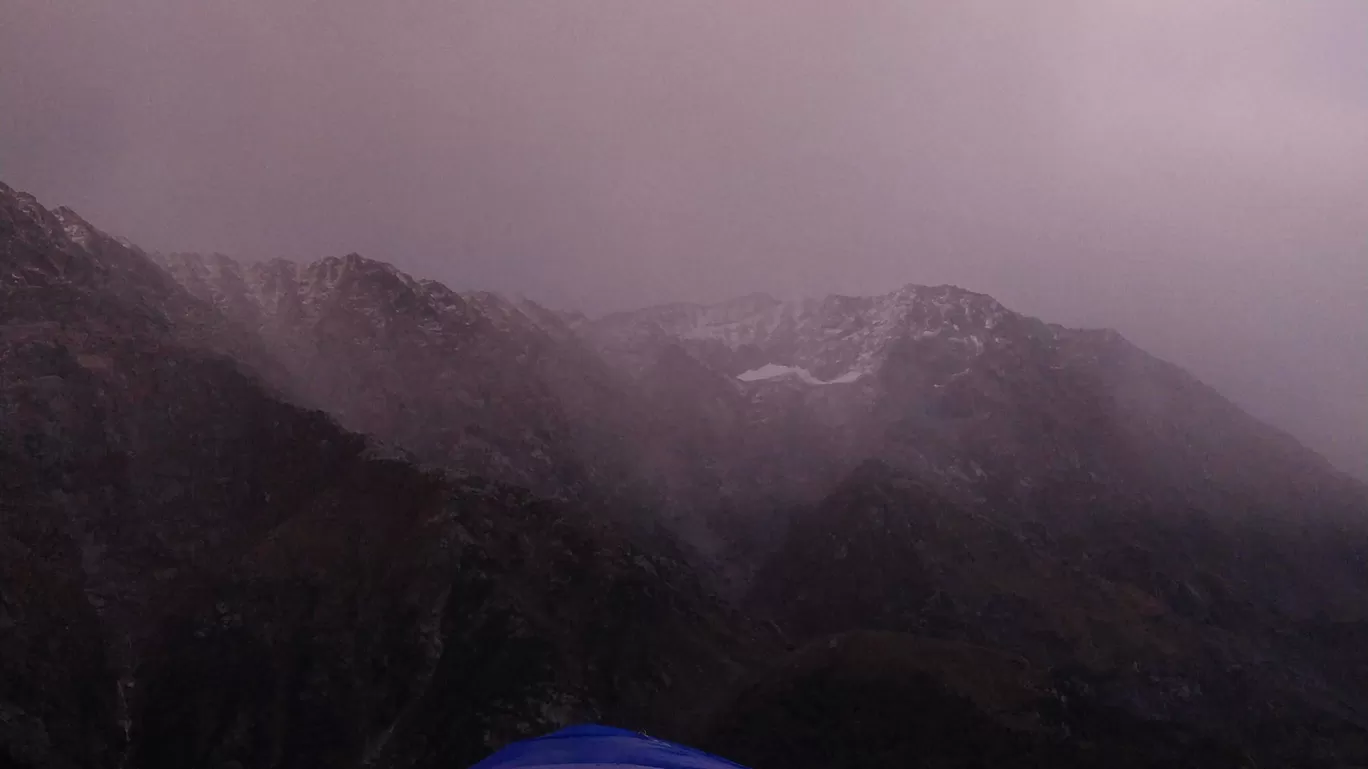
1191, 172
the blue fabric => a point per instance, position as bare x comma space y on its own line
602, 746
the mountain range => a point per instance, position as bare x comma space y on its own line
272, 513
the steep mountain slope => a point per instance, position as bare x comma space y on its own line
1184, 621
990, 540
999, 408
956, 470
475, 382
720, 419
878, 699
198, 574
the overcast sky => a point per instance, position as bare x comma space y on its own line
1193, 173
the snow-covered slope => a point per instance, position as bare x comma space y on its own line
950, 384
776, 371
281, 292
836, 339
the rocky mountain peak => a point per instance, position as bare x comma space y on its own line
377, 293
829, 340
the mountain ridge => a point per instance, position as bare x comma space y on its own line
624, 517
940, 380
815, 328
199, 572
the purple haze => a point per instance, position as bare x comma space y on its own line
1191, 172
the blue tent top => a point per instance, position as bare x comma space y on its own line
601, 746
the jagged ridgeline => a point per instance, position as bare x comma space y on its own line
283, 514
197, 572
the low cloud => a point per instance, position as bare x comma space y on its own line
1193, 173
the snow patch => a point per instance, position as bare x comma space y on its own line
775, 371
847, 378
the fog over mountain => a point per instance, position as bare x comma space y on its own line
977, 383
1194, 174
334, 514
